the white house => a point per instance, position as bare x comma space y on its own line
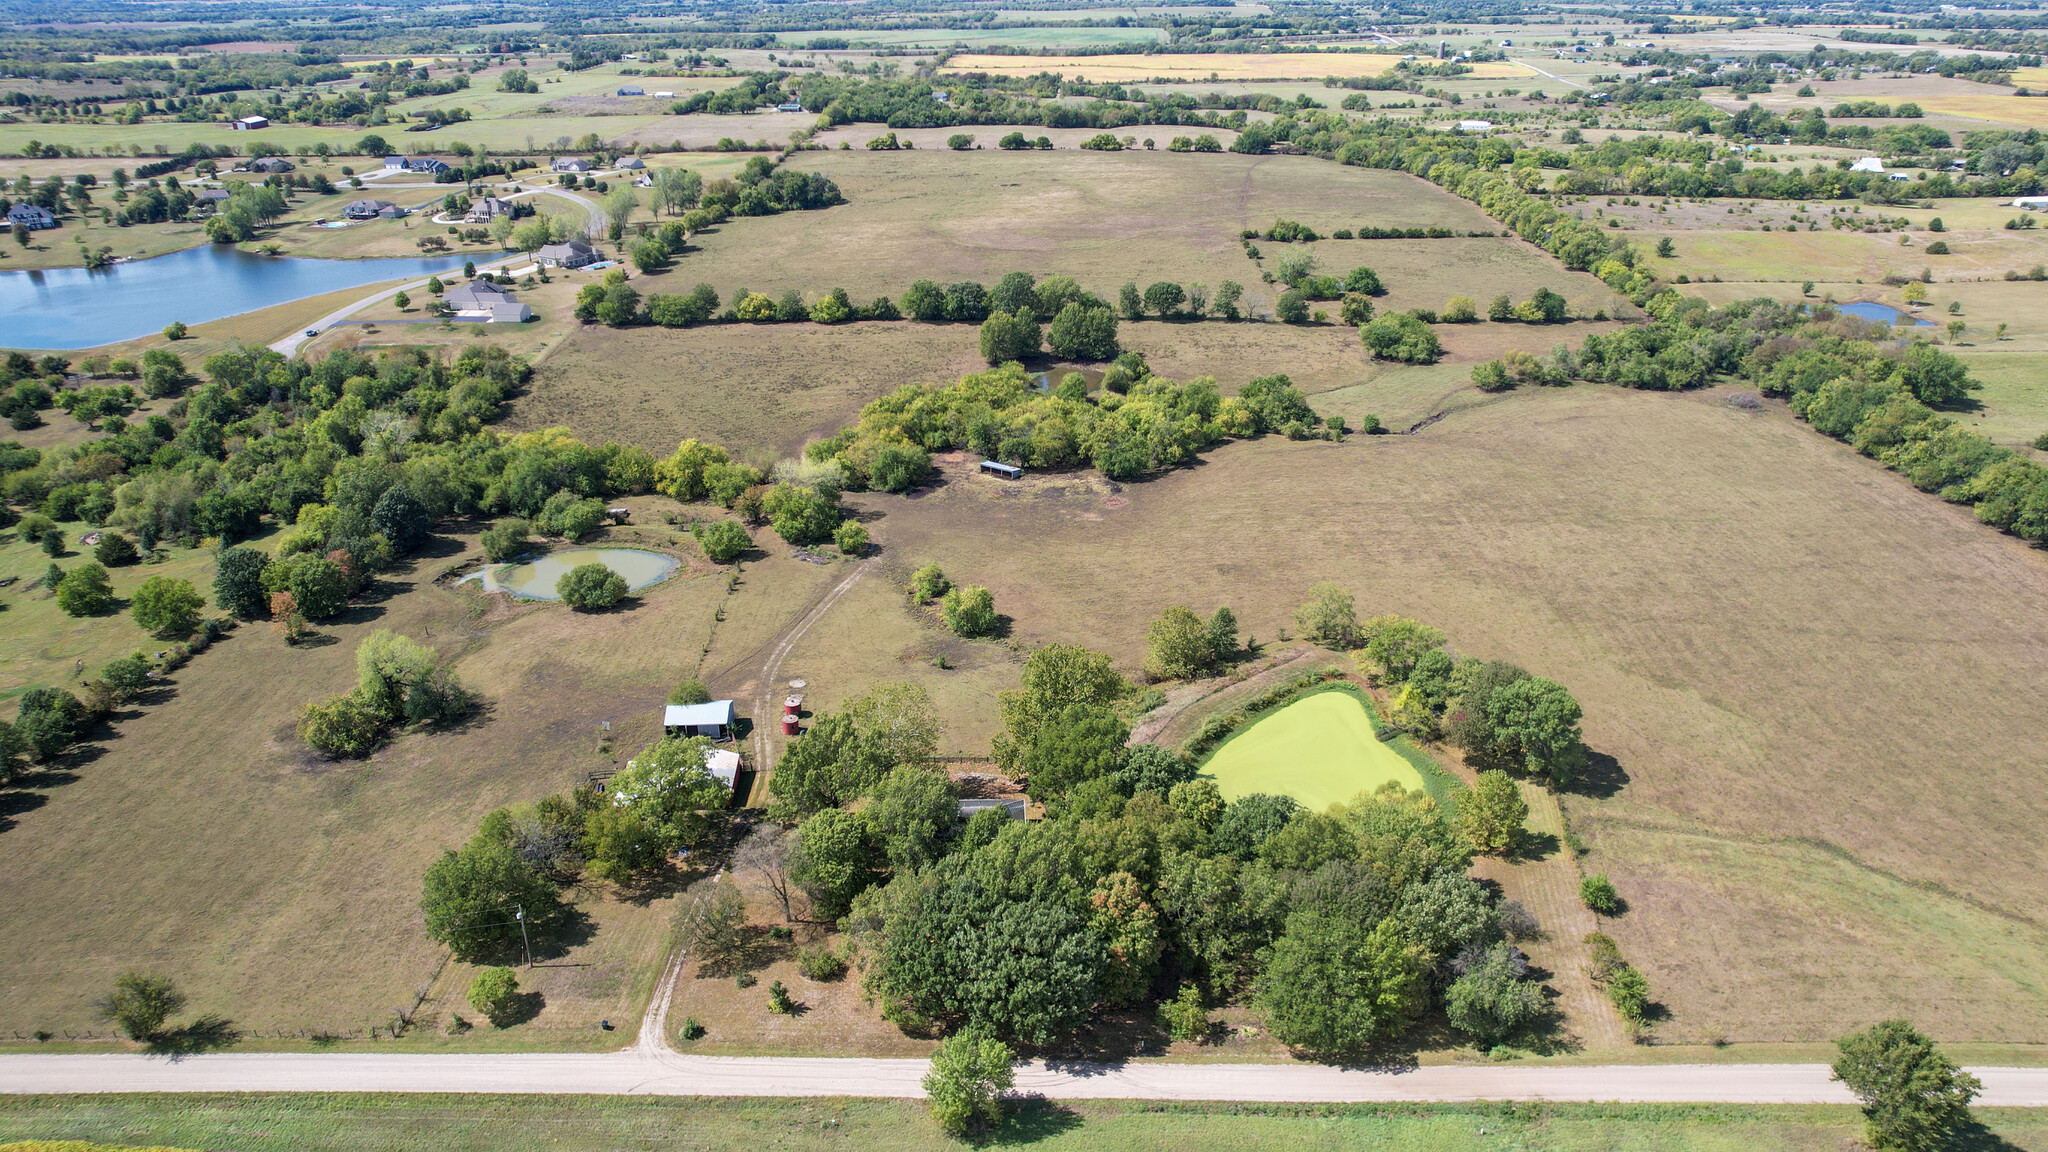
1867, 164
2032, 203
1475, 125
713, 719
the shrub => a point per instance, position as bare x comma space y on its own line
167, 607
1459, 310
930, 581
140, 1005
1597, 892
1401, 337
969, 1074
723, 540
85, 590
114, 550
346, 726
970, 611
690, 691
1629, 992
495, 993
851, 538
1938, 248
238, 583
126, 676
817, 962
590, 587
504, 540
779, 999
1184, 1017
1292, 307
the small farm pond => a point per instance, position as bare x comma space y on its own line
535, 579
1319, 750
1881, 314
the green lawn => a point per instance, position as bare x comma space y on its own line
1319, 750
387, 1123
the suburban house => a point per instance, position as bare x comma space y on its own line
487, 209
632, 90
394, 163
271, 164
570, 164
632, 163
30, 216
713, 719
487, 300
211, 199
371, 210
573, 254
251, 123
428, 165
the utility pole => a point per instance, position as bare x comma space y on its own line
521, 915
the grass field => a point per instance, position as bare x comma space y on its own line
1320, 750
1713, 679
1226, 66
363, 1123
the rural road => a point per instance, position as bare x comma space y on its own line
643, 1071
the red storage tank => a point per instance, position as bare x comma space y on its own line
789, 724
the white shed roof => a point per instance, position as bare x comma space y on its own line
678, 715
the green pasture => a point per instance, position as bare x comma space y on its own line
1320, 750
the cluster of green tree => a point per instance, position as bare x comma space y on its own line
1153, 423
1875, 108
521, 858
754, 90
802, 502
398, 682
247, 207
1342, 927
763, 189
913, 104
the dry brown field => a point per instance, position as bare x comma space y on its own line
1233, 66
1811, 688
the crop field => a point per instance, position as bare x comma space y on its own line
1009, 37
1884, 832
1228, 66
1320, 750
345, 1122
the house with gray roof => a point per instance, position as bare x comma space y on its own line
271, 164
371, 210
31, 216
570, 164
487, 209
573, 254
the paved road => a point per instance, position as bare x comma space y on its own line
639, 1071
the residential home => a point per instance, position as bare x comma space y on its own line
574, 254
632, 164
30, 216
368, 209
394, 164
427, 164
271, 164
487, 209
570, 164
211, 199
632, 90
477, 296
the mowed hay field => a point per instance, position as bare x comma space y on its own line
1103, 219
1813, 691
1109, 69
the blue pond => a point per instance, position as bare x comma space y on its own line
1881, 314
76, 308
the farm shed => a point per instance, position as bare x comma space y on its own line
998, 468
713, 719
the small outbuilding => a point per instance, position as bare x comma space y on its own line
998, 468
723, 764
1014, 809
713, 719
789, 106
1867, 164
251, 123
